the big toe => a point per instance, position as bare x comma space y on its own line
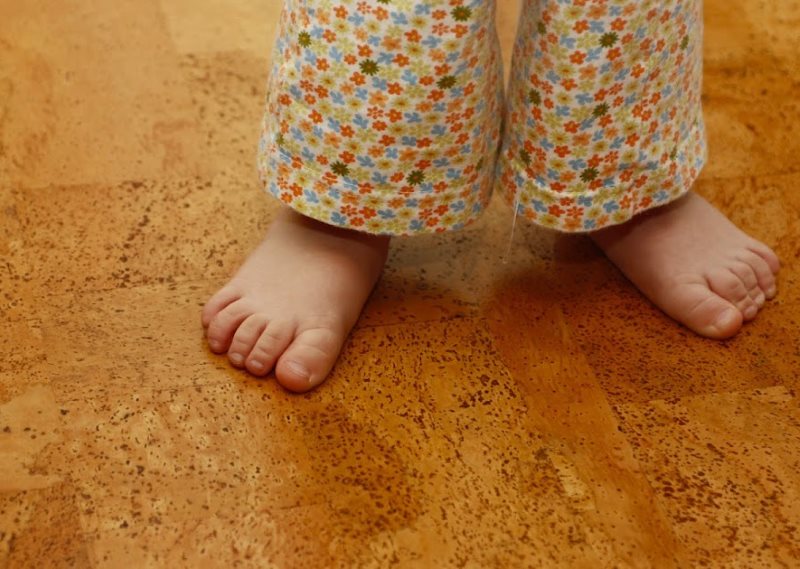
706, 313
309, 359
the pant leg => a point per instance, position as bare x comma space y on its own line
604, 114
384, 115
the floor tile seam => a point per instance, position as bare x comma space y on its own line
228, 51
153, 390
787, 173
83, 292
650, 472
638, 467
96, 534
698, 396
498, 356
471, 308
666, 503
468, 315
18, 189
19, 197
738, 66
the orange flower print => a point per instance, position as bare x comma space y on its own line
390, 117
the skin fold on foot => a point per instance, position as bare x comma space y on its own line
292, 304
694, 264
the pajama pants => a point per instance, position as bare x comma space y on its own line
390, 116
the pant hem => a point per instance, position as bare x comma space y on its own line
339, 202
586, 211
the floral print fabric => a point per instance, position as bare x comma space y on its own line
389, 116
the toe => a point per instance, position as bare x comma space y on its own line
309, 359
767, 254
729, 286
216, 304
272, 342
224, 324
749, 279
705, 312
763, 272
245, 338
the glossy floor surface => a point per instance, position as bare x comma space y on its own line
527, 409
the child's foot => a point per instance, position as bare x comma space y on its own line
293, 302
694, 264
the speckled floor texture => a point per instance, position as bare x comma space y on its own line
537, 412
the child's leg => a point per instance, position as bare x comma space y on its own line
382, 119
606, 123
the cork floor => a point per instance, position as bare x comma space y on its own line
536, 412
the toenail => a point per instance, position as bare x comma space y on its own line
236, 359
761, 299
256, 365
299, 369
214, 345
772, 291
750, 312
727, 318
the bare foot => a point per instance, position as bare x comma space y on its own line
294, 301
694, 264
